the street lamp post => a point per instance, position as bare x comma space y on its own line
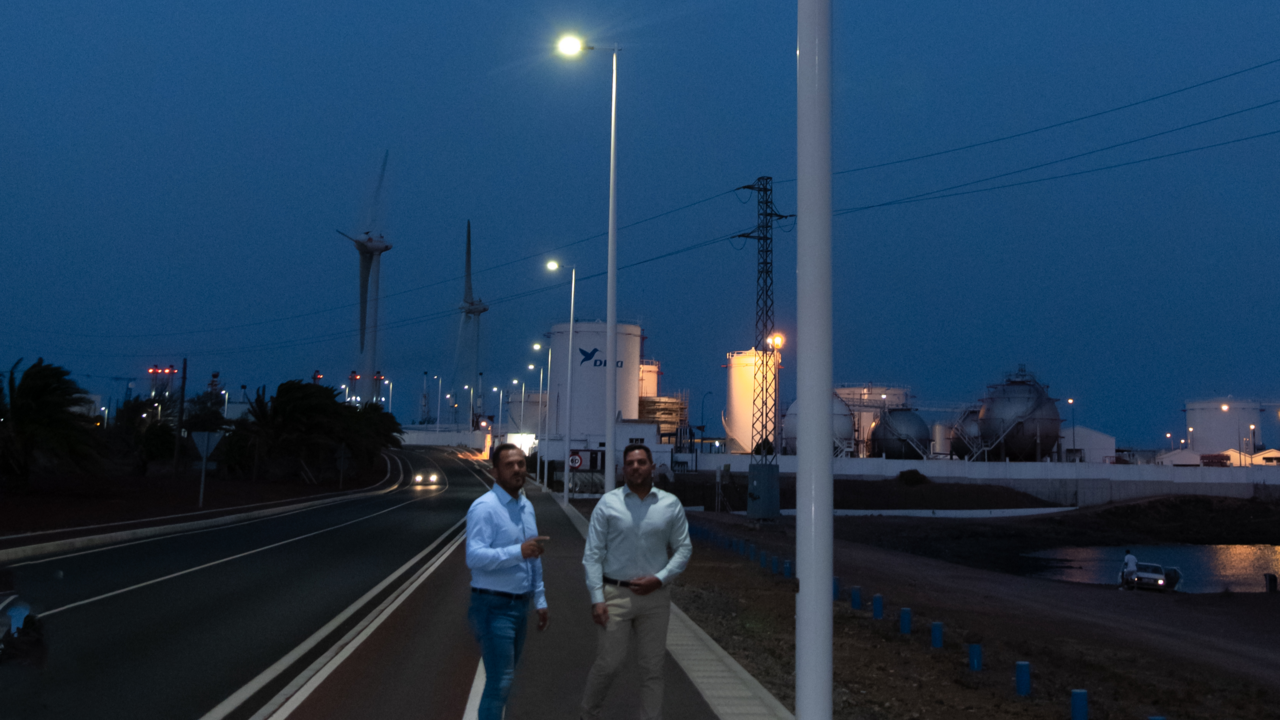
572, 46
497, 429
568, 382
1072, 403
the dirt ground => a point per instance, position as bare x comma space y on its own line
1138, 654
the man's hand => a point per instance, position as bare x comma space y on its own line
645, 585
532, 548
543, 619
600, 614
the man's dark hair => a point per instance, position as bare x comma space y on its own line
496, 456
637, 446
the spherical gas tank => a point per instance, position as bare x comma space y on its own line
966, 436
899, 435
1018, 420
841, 425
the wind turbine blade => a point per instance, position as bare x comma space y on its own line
466, 293
377, 194
347, 236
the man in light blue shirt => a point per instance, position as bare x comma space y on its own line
503, 551
638, 542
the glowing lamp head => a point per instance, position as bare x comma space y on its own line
570, 46
776, 341
530, 367
1226, 408
1071, 401
537, 346
551, 265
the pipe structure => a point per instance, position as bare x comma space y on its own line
611, 316
814, 362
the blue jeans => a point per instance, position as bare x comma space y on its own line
499, 625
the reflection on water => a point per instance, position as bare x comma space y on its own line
1205, 568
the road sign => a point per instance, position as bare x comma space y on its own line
586, 460
206, 442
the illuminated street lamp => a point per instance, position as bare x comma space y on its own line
568, 382
1074, 446
571, 46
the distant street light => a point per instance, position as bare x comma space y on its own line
1074, 446
568, 382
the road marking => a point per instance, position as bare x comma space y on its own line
237, 698
477, 691
180, 573
288, 699
334, 501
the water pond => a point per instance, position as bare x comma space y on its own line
1205, 568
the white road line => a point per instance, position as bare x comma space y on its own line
300, 689
223, 560
237, 698
473, 700
104, 548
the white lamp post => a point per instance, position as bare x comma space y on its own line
572, 46
568, 377
814, 361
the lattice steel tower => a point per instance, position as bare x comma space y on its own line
763, 480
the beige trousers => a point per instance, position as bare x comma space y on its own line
645, 616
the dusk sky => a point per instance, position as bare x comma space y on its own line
173, 174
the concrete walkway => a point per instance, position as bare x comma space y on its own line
702, 681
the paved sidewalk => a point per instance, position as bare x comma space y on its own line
553, 671
702, 680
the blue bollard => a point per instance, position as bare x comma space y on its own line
1079, 705
786, 569
904, 621
855, 597
975, 657
935, 635
1022, 678
835, 589
877, 606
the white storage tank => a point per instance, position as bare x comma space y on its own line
588, 357
741, 398
1215, 426
649, 372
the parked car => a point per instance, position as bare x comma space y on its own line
1151, 577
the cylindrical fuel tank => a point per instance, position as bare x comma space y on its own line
1018, 420
899, 435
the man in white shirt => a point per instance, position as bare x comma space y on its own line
503, 551
628, 569
1130, 567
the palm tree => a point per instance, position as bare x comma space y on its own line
44, 422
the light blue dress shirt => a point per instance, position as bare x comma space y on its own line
630, 538
496, 526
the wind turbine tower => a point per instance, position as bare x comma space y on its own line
467, 363
370, 245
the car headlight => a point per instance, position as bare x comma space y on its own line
434, 477
417, 478
1160, 582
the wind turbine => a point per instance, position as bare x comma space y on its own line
370, 245
467, 359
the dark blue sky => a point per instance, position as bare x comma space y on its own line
173, 174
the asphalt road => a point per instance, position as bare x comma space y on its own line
217, 623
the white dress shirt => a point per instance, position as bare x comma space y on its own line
630, 538
497, 524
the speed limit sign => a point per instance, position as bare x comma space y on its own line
575, 461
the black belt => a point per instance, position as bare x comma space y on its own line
620, 583
499, 593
